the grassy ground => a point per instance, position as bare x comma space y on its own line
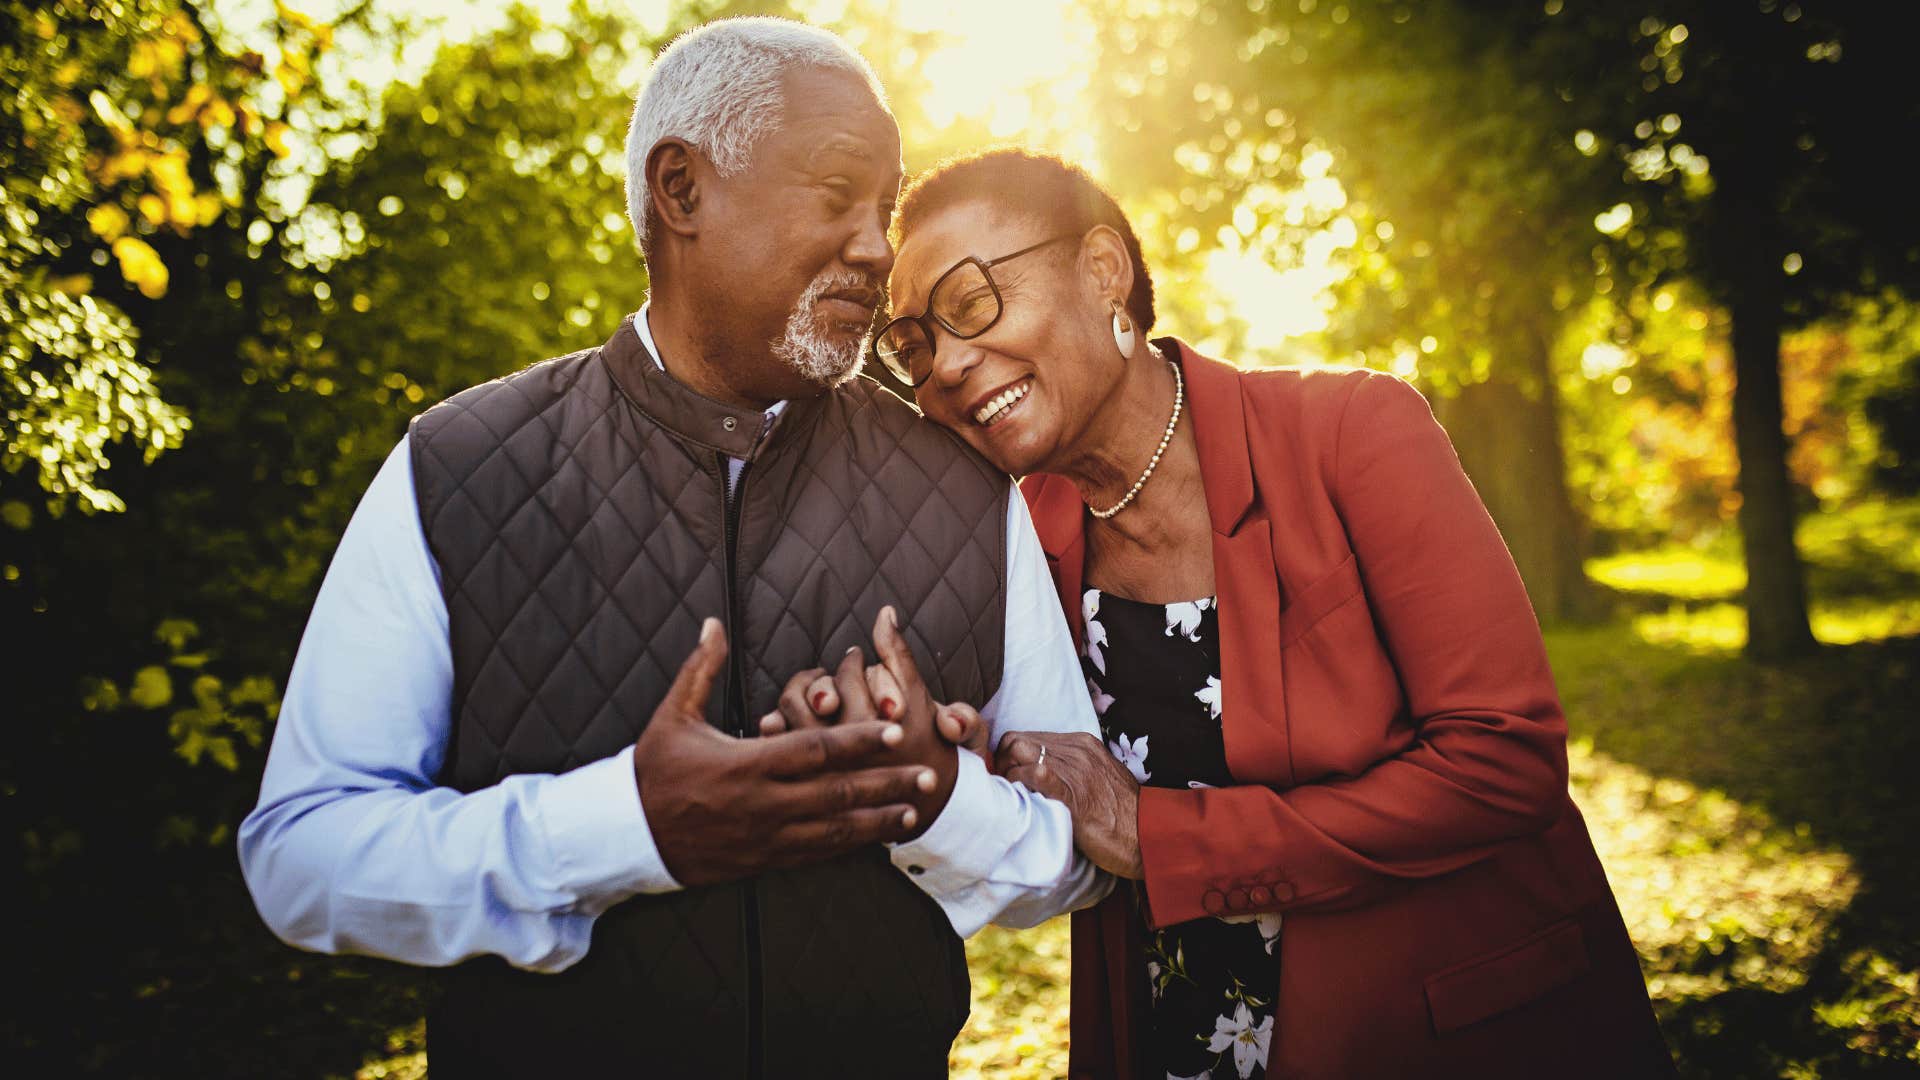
1757, 824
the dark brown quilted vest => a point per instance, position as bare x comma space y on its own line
577, 512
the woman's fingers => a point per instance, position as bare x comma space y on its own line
1017, 750
803, 703
960, 725
888, 699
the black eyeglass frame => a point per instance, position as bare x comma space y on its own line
921, 320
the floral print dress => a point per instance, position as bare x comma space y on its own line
1154, 672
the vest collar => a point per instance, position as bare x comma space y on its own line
735, 431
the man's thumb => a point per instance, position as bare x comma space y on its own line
693, 686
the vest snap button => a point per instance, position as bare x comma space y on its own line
729, 423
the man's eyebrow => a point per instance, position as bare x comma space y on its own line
848, 147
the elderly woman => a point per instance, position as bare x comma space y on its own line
1334, 763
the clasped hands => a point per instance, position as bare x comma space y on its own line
1072, 767
722, 807
859, 756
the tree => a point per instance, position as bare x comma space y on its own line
1765, 136
1462, 205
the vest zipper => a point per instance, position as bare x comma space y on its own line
735, 715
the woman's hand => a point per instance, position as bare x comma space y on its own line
1102, 795
810, 699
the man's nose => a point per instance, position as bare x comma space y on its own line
870, 250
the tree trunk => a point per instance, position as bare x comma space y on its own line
1776, 596
1745, 249
1509, 442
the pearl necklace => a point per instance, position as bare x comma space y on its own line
1179, 398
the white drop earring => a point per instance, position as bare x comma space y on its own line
1123, 336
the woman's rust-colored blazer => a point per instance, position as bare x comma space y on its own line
1401, 757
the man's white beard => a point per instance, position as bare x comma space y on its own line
811, 346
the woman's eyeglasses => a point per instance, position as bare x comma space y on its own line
964, 302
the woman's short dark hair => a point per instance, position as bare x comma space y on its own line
1033, 184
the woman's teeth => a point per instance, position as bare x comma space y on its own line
1003, 401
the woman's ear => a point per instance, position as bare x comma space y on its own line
1104, 254
672, 186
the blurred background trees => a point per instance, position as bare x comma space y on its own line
1654, 265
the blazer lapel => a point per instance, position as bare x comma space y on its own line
1253, 703
1253, 708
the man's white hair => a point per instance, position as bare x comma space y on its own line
718, 87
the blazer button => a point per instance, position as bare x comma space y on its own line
729, 423
1237, 899
1213, 902
1260, 895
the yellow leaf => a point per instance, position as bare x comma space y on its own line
217, 114
152, 687
107, 221
16, 514
141, 266
197, 96
289, 15
122, 166
153, 208
209, 207
276, 139
72, 284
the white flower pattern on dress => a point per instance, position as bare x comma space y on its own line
1183, 616
1269, 926
1247, 1039
1161, 663
1096, 634
1133, 754
1209, 695
1101, 699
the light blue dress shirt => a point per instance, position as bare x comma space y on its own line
354, 849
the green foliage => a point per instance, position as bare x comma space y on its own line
70, 382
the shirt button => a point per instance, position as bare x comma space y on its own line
729, 423
916, 869
1213, 902
1283, 892
1237, 899
1260, 895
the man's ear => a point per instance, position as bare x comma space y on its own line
672, 185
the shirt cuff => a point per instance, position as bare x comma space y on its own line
967, 840
597, 830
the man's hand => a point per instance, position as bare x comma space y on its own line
722, 808
1102, 795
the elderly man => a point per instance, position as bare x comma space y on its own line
492, 753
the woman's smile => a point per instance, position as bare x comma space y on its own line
994, 409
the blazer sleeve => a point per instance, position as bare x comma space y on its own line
1488, 759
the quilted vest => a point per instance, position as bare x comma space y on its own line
578, 514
